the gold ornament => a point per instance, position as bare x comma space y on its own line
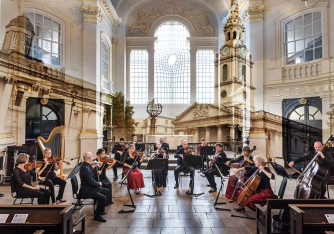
44, 101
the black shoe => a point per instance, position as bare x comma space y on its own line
99, 218
209, 185
115, 178
61, 200
213, 190
176, 186
1, 195
104, 213
240, 209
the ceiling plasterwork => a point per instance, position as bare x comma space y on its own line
145, 19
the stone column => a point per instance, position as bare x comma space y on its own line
207, 134
150, 73
219, 133
197, 138
193, 52
5, 99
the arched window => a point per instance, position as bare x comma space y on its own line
225, 72
303, 38
105, 63
205, 76
234, 35
172, 63
306, 113
47, 44
243, 73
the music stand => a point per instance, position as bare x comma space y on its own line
206, 151
156, 164
74, 171
140, 147
132, 203
195, 162
220, 189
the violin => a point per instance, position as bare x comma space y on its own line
138, 154
31, 165
250, 186
94, 164
124, 147
189, 151
109, 160
55, 159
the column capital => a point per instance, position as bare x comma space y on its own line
254, 14
150, 50
92, 14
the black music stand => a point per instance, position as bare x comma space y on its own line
206, 151
140, 147
74, 171
195, 162
132, 203
156, 164
220, 190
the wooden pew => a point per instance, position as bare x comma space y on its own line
264, 215
310, 218
49, 218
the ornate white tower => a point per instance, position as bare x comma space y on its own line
235, 87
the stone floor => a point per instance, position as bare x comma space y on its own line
174, 212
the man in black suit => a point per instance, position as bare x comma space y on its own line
118, 151
181, 165
325, 158
164, 145
218, 161
90, 188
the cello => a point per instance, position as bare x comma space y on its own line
312, 177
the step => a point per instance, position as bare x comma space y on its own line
171, 166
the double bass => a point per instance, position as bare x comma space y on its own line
312, 177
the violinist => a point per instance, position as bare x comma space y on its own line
181, 165
203, 144
118, 150
90, 188
135, 179
180, 146
23, 184
134, 140
159, 174
263, 191
244, 160
163, 144
219, 160
46, 174
101, 173
325, 159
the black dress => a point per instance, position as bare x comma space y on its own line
50, 181
23, 177
104, 180
160, 175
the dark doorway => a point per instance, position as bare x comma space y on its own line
302, 126
42, 119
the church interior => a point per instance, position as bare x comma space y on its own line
166, 116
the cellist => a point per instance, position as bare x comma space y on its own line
263, 191
325, 159
232, 193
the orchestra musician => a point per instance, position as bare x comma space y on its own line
160, 174
134, 140
46, 174
135, 179
325, 159
118, 150
164, 145
181, 165
101, 173
203, 144
219, 160
263, 191
90, 188
23, 184
180, 146
242, 159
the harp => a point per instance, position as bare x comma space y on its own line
56, 142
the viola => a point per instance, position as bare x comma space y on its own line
310, 180
250, 186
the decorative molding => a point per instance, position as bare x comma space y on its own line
10, 80
115, 20
92, 14
145, 20
254, 14
201, 111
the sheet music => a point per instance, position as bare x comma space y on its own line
330, 218
20, 218
3, 218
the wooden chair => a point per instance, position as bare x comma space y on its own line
15, 196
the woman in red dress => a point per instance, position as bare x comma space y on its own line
263, 191
135, 179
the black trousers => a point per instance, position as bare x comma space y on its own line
182, 167
42, 195
114, 168
51, 182
160, 176
100, 195
210, 175
107, 184
323, 189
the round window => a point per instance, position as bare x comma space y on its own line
223, 94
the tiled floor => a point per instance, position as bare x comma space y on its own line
173, 213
